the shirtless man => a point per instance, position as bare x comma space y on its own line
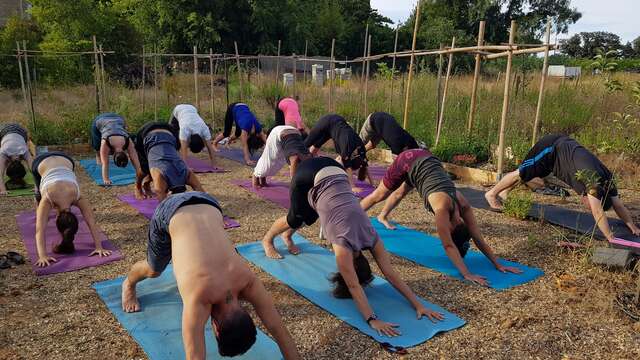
212, 278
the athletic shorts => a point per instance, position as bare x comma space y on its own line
540, 159
367, 133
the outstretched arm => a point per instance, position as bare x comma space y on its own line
104, 159
600, 217
378, 195
3, 168
42, 216
262, 302
89, 218
211, 151
244, 137
184, 146
194, 317
625, 215
192, 180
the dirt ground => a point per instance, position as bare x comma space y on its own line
569, 313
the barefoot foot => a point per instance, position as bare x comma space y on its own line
271, 251
386, 223
129, 300
493, 201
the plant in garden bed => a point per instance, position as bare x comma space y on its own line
518, 204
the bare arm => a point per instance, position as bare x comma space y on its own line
470, 220
104, 159
211, 151
344, 260
443, 224
378, 195
262, 302
217, 139
42, 217
293, 160
244, 137
184, 146
394, 199
3, 169
29, 159
192, 180
382, 259
624, 214
370, 146
194, 317
600, 217
89, 218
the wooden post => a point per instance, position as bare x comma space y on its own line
393, 69
306, 62
295, 71
24, 89
278, 63
226, 78
405, 121
439, 86
144, 80
155, 82
235, 44
96, 74
476, 75
195, 76
29, 89
505, 100
366, 84
364, 56
444, 92
105, 99
543, 79
213, 104
331, 71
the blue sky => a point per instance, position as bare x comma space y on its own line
617, 16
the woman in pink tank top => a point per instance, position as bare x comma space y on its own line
288, 113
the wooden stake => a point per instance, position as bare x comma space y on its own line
29, 90
444, 92
295, 71
278, 64
364, 56
195, 76
235, 44
24, 89
439, 87
476, 75
155, 82
96, 74
105, 99
304, 82
366, 85
144, 80
505, 100
226, 80
543, 79
331, 70
213, 104
405, 121
393, 69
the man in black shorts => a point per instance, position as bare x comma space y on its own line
188, 229
570, 162
383, 126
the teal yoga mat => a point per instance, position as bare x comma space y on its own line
157, 327
119, 176
308, 273
427, 250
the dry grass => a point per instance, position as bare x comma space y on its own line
568, 313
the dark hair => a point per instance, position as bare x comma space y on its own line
365, 277
362, 172
67, 224
16, 173
196, 144
254, 142
120, 158
461, 237
236, 333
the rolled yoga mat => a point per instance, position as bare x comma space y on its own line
119, 176
578, 221
83, 243
308, 274
427, 250
148, 206
157, 328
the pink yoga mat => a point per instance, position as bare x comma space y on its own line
148, 206
202, 166
83, 243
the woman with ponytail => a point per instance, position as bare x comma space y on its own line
57, 188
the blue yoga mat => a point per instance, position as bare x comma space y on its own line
308, 274
119, 176
428, 251
158, 326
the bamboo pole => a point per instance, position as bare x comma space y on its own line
213, 104
393, 69
29, 90
304, 81
295, 71
331, 70
195, 76
24, 89
439, 87
444, 92
144, 80
226, 81
543, 79
235, 44
522, 51
278, 64
366, 85
364, 57
155, 82
96, 74
505, 101
476, 75
405, 121
105, 99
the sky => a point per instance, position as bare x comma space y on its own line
617, 16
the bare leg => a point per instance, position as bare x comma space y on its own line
278, 227
139, 271
291, 246
98, 158
392, 201
502, 188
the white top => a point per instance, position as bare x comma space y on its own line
59, 174
190, 122
13, 144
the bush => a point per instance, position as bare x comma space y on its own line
518, 204
448, 148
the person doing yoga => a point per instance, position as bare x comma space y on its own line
455, 223
157, 146
14, 148
350, 148
288, 113
573, 164
284, 144
383, 126
188, 230
193, 133
321, 189
248, 129
57, 188
109, 136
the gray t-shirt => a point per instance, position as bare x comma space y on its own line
343, 220
111, 126
13, 144
428, 176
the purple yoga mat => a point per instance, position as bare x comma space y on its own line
202, 166
83, 243
148, 206
236, 154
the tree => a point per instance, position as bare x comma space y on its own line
636, 46
573, 46
585, 44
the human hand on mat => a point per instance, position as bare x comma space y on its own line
45, 261
249, 162
508, 269
100, 252
480, 280
4, 192
385, 328
106, 182
431, 315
